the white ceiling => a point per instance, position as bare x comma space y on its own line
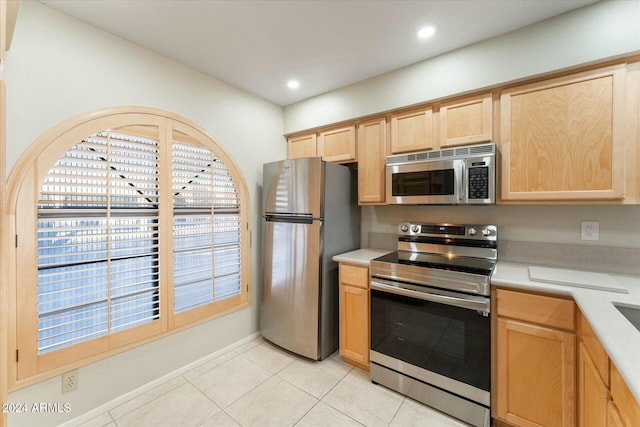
258, 45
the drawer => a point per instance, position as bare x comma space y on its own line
594, 348
545, 310
354, 275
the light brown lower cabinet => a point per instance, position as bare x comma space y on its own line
536, 385
603, 397
537, 363
614, 419
593, 377
354, 315
593, 393
535, 360
623, 400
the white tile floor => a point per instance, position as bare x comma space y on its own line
259, 384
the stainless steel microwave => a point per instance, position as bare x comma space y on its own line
453, 176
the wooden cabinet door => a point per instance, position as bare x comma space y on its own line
354, 315
3, 31
563, 139
8, 17
535, 378
594, 348
302, 146
593, 393
467, 121
628, 406
338, 145
412, 131
354, 324
614, 419
372, 151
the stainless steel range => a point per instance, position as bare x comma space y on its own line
430, 326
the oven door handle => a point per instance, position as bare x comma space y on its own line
395, 288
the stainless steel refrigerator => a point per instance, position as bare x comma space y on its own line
310, 215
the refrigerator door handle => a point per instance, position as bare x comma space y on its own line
294, 219
288, 214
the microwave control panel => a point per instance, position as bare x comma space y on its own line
479, 182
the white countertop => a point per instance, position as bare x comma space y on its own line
361, 257
618, 336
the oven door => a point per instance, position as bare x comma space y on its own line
440, 182
440, 337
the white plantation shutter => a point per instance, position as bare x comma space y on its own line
130, 224
206, 228
98, 241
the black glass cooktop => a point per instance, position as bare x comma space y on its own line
471, 265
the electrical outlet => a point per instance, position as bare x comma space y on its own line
590, 230
70, 380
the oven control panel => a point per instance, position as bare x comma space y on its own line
475, 231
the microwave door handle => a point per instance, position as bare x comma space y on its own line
480, 306
461, 184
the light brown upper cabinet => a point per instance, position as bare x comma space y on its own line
302, 146
3, 31
412, 131
466, 121
338, 145
564, 138
372, 143
8, 17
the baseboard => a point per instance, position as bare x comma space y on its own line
153, 384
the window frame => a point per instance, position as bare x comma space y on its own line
24, 186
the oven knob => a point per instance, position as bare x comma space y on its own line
415, 228
486, 232
404, 228
472, 231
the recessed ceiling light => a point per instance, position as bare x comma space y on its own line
426, 32
293, 84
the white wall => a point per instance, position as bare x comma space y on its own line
58, 68
602, 30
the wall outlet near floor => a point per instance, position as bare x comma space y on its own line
70, 380
590, 230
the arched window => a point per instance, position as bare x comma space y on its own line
130, 224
